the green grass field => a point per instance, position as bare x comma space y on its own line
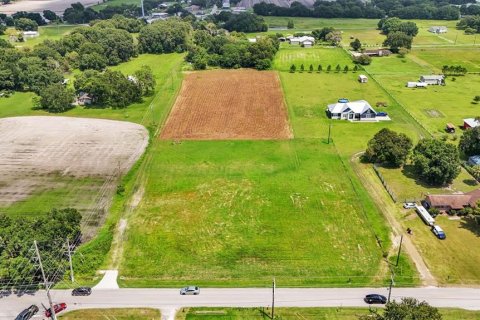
300, 313
101, 6
289, 55
51, 32
117, 314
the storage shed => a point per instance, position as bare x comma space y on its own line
362, 78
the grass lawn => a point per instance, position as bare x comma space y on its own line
436, 105
289, 55
117, 314
101, 6
438, 57
300, 313
165, 69
51, 32
245, 211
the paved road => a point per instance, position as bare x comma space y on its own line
466, 298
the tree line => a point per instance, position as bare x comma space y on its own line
51, 230
470, 24
416, 9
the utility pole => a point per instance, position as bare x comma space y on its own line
143, 9
390, 289
52, 310
273, 298
399, 250
70, 261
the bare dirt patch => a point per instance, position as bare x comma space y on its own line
77, 160
229, 104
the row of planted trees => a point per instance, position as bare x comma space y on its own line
338, 68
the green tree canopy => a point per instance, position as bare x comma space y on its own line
436, 162
56, 98
356, 44
167, 36
388, 147
25, 24
407, 309
397, 40
470, 142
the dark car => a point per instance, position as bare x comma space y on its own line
57, 307
375, 298
438, 232
382, 114
27, 313
82, 291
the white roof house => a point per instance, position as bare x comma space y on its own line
354, 110
434, 79
304, 40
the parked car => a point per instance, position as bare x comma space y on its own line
57, 307
27, 313
375, 298
382, 114
425, 204
438, 232
409, 205
82, 291
190, 290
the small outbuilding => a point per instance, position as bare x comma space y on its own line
414, 84
362, 78
84, 99
438, 29
433, 79
450, 128
474, 160
30, 34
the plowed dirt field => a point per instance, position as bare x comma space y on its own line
229, 104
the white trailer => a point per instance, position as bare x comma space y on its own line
426, 217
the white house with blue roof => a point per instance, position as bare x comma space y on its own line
359, 110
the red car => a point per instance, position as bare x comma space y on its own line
57, 307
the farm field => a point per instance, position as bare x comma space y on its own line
247, 205
301, 313
101, 6
61, 162
244, 104
117, 314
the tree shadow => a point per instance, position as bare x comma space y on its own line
470, 182
409, 172
470, 224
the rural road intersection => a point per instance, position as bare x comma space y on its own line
170, 299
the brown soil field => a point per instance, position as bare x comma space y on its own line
79, 161
227, 105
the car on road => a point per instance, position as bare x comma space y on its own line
57, 307
409, 205
27, 313
375, 298
82, 291
190, 290
438, 232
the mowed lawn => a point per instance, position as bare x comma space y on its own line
301, 313
50, 32
434, 106
117, 314
237, 213
295, 55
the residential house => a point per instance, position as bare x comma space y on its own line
238, 10
30, 34
355, 110
433, 79
447, 202
84, 99
362, 78
305, 41
470, 123
438, 29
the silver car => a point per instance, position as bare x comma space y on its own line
190, 290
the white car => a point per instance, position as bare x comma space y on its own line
190, 290
409, 205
